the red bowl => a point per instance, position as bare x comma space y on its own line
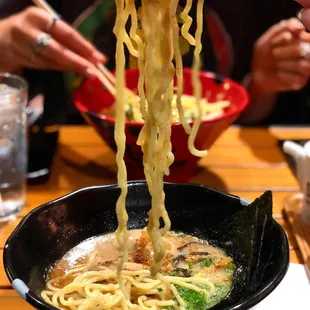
91, 98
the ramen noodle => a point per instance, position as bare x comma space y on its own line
155, 52
124, 282
195, 275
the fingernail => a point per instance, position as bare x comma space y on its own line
282, 23
90, 73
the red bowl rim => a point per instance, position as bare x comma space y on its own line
244, 102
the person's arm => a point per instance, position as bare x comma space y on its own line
262, 103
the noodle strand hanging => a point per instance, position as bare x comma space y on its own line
156, 45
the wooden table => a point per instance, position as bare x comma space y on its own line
245, 162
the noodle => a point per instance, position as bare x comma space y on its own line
80, 282
187, 23
156, 51
120, 138
179, 73
156, 144
196, 81
83, 293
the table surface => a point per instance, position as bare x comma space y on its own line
243, 161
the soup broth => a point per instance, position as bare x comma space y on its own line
186, 257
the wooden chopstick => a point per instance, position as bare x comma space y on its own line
112, 78
105, 81
45, 6
102, 73
107, 73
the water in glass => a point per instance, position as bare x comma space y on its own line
13, 153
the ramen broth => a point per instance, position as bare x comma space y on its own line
186, 256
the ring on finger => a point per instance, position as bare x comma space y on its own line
52, 22
42, 42
305, 50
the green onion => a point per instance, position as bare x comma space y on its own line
207, 262
231, 266
130, 115
175, 274
179, 14
194, 300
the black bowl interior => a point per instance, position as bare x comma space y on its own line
51, 230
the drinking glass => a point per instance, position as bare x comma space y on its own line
13, 148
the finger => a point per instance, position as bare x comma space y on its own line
64, 34
292, 51
305, 16
68, 60
291, 28
304, 36
54, 53
294, 25
282, 38
292, 80
72, 40
32, 60
305, 3
300, 67
270, 33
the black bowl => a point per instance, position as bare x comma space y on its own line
51, 230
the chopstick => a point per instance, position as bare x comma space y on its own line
107, 73
102, 73
45, 6
106, 82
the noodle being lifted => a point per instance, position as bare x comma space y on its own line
156, 53
98, 283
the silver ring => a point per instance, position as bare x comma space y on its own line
305, 50
52, 22
42, 42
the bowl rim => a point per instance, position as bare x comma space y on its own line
36, 301
208, 74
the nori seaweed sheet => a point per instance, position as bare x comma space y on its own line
247, 237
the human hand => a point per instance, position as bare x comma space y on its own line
61, 48
279, 62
